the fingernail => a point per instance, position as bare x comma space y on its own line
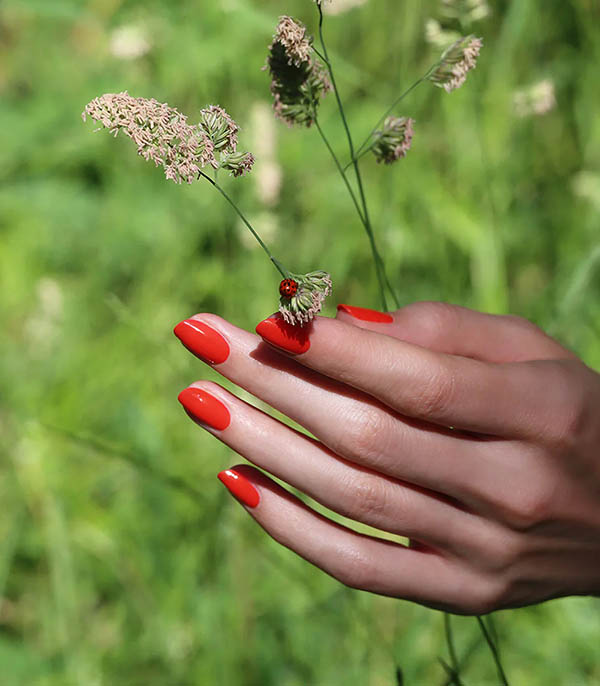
366, 315
240, 487
292, 339
205, 408
202, 340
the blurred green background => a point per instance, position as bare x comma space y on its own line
122, 559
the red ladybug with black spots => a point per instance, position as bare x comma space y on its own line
288, 288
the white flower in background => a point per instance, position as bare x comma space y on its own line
467, 11
267, 172
436, 35
537, 99
230, 5
340, 6
44, 326
586, 184
129, 42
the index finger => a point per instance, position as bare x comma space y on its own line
448, 390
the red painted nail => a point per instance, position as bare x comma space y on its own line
292, 339
202, 340
366, 315
240, 487
205, 408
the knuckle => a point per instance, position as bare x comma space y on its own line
485, 595
535, 338
568, 424
503, 552
437, 393
369, 497
364, 434
355, 569
490, 596
567, 429
532, 509
432, 320
523, 324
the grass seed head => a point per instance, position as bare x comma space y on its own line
307, 301
163, 135
393, 140
456, 62
298, 80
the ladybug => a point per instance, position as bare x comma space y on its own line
288, 288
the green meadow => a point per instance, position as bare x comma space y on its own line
123, 561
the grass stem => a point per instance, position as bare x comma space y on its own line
493, 650
277, 265
361, 151
379, 264
454, 674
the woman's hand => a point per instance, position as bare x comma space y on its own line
475, 436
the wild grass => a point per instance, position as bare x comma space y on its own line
122, 559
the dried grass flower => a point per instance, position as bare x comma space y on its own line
298, 80
238, 163
220, 128
292, 35
456, 62
163, 135
393, 140
307, 297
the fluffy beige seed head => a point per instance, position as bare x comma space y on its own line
456, 62
292, 36
160, 132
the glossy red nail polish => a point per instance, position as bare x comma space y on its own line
240, 487
202, 340
205, 408
366, 315
276, 331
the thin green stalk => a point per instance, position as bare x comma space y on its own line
321, 56
335, 90
339, 167
493, 631
493, 650
355, 201
379, 268
369, 230
454, 665
450, 673
463, 662
360, 152
277, 265
579, 283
